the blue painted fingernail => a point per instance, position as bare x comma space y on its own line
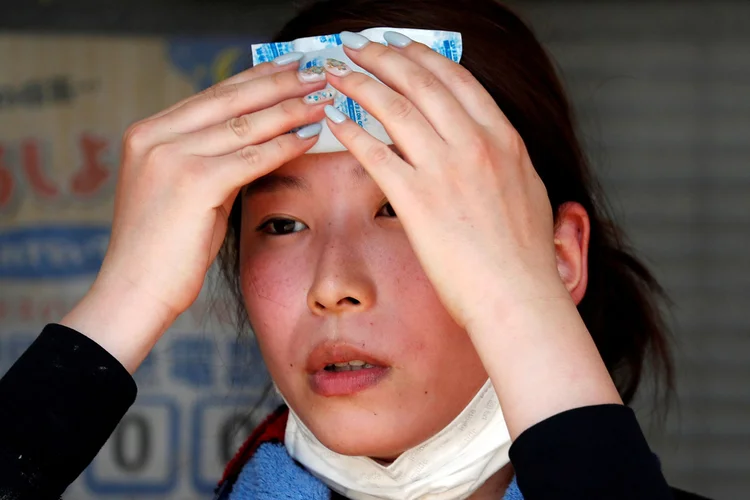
353, 40
335, 115
319, 96
396, 39
309, 131
288, 58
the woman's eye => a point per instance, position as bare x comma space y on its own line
281, 226
387, 211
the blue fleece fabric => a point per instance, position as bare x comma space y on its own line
513, 493
271, 474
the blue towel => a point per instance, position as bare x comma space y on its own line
271, 474
513, 493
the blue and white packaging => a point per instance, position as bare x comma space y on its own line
319, 48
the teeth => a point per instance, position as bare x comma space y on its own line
353, 365
355, 362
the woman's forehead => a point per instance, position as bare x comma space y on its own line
325, 169
338, 161
319, 162
310, 171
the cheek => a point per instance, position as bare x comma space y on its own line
274, 294
269, 284
423, 327
436, 352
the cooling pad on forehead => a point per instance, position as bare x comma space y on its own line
318, 49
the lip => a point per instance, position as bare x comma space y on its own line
327, 353
329, 384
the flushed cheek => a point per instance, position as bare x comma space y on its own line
416, 304
423, 333
274, 296
435, 347
273, 284
273, 324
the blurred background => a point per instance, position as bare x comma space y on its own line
662, 91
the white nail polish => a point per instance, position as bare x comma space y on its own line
335, 115
337, 68
309, 131
396, 39
319, 96
353, 40
288, 58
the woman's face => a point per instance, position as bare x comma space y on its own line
328, 276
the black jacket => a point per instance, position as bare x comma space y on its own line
63, 398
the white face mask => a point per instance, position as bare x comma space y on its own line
451, 465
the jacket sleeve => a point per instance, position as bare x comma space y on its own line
594, 452
59, 403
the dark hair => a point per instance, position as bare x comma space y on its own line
622, 304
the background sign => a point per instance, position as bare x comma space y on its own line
63, 110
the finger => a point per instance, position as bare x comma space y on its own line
286, 62
405, 124
221, 103
386, 168
258, 127
473, 97
418, 84
229, 172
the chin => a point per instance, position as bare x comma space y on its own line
369, 446
361, 432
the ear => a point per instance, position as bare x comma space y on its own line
572, 233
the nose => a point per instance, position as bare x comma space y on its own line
342, 282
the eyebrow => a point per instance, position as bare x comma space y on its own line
359, 172
272, 183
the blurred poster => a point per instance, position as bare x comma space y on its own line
64, 104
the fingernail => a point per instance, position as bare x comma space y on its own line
337, 68
353, 40
319, 96
335, 115
288, 58
312, 74
309, 131
396, 39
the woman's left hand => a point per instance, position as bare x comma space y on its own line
462, 183
479, 220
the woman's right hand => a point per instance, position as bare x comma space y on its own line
180, 173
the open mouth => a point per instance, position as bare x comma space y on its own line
344, 369
353, 365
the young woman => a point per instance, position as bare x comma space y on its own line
398, 293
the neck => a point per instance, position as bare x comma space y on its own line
494, 488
